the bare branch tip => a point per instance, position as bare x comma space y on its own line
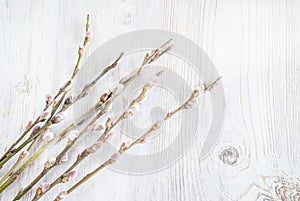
167, 49
170, 40
217, 80
121, 55
213, 84
160, 72
88, 19
166, 43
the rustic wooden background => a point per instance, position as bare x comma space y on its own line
254, 45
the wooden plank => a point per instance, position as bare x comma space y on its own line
254, 45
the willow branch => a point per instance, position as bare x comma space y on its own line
16, 175
68, 102
18, 162
123, 148
129, 112
48, 166
125, 82
55, 103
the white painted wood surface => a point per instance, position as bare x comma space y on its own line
254, 45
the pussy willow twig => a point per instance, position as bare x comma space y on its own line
19, 160
55, 103
79, 120
99, 143
123, 148
46, 144
125, 82
147, 60
65, 106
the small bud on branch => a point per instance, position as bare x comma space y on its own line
29, 124
64, 158
58, 118
50, 163
67, 86
68, 176
98, 128
104, 97
72, 135
108, 137
45, 186
35, 130
69, 100
48, 137
61, 196
81, 50
49, 99
115, 157
108, 123
128, 114
44, 116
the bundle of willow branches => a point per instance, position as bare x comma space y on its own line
38, 133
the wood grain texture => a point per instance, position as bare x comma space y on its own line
255, 47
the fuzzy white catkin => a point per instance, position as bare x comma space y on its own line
48, 136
